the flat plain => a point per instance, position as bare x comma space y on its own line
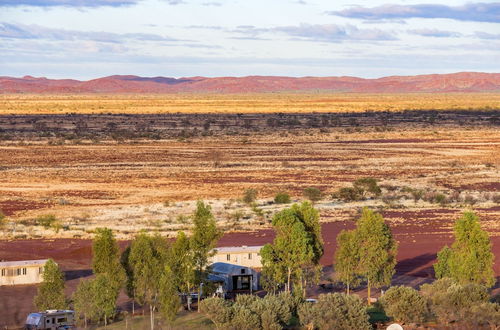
133, 163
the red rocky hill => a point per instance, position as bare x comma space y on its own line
455, 82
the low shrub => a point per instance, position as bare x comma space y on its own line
249, 196
282, 198
46, 220
313, 194
450, 301
405, 304
335, 311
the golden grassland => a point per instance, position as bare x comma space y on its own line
241, 103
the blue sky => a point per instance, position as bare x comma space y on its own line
85, 39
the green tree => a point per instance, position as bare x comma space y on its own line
250, 195
297, 247
129, 275
347, 259
470, 259
335, 311
405, 304
313, 194
203, 241
50, 294
147, 260
105, 295
106, 257
181, 263
377, 248
83, 301
169, 298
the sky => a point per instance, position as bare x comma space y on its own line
86, 39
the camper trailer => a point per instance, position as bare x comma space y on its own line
51, 320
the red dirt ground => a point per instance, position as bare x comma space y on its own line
420, 237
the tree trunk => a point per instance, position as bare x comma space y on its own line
288, 281
199, 294
133, 307
105, 321
151, 318
348, 291
85, 320
369, 294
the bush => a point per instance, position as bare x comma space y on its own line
450, 301
2, 219
313, 194
218, 310
485, 314
250, 195
405, 304
349, 194
46, 220
336, 311
367, 185
282, 198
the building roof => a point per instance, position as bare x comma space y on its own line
225, 268
23, 263
239, 249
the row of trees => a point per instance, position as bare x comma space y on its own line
153, 271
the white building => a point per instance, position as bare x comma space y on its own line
247, 256
21, 272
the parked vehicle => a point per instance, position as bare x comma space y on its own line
51, 320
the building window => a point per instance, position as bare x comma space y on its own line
249, 256
18, 271
40, 270
228, 257
24, 271
3, 271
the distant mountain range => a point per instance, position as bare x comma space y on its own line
454, 82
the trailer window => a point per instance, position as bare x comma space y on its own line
61, 320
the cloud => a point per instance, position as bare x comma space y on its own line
486, 35
435, 33
479, 12
212, 3
334, 33
21, 31
68, 3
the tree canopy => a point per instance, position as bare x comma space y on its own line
470, 259
50, 294
297, 248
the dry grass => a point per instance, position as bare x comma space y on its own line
241, 103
